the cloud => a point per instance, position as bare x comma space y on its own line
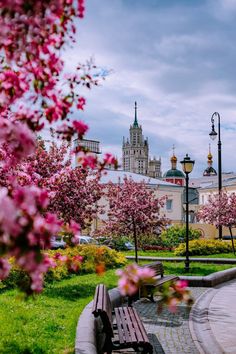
177, 59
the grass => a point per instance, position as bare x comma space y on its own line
171, 254
47, 323
195, 268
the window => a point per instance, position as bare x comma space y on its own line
169, 204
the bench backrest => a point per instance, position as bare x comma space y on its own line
102, 307
157, 267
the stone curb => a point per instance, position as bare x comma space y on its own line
199, 325
211, 280
192, 259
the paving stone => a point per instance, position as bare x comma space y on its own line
168, 332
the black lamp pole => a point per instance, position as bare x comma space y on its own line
213, 135
187, 165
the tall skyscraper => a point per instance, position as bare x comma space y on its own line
135, 152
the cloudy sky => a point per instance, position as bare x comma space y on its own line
177, 59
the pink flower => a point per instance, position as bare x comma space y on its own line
132, 276
80, 127
110, 160
81, 103
126, 287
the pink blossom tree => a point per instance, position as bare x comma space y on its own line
34, 91
74, 195
134, 210
220, 210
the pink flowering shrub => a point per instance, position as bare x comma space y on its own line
171, 294
32, 37
63, 263
132, 276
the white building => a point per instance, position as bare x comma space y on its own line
173, 208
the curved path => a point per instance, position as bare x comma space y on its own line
169, 332
213, 320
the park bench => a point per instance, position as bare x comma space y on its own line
127, 331
147, 290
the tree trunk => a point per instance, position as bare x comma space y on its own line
135, 242
232, 240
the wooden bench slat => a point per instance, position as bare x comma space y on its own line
139, 329
119, 326
131, 331
130, 325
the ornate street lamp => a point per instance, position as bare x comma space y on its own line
213, 134
187, 166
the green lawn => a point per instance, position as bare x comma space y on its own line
171, 254
195, 268
47, 323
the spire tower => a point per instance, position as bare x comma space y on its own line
135, 125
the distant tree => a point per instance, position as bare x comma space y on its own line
220, 211
74, 193
134, 210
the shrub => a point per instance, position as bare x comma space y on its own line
92, 256
150, 240
204, 247
175, 235
156, 248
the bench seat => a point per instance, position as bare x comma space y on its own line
130, 330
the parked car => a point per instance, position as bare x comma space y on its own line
129, 246
57, 242
119, 245
85, 240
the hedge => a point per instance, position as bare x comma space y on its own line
204, 247
94, 259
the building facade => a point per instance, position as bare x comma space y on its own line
135, 152
174, 175
173, 195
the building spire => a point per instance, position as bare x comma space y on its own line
209, 171
135, 125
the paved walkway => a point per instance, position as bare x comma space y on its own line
210, 328
213, 320
169, 332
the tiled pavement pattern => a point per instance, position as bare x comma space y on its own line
169, 333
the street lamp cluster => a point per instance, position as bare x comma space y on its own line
187, 166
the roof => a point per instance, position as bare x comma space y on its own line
210, 171
208, 181
173, 173
225, 183
117, 176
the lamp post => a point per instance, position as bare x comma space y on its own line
187, 166
213, 134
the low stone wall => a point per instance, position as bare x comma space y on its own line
89, 337
212, 279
